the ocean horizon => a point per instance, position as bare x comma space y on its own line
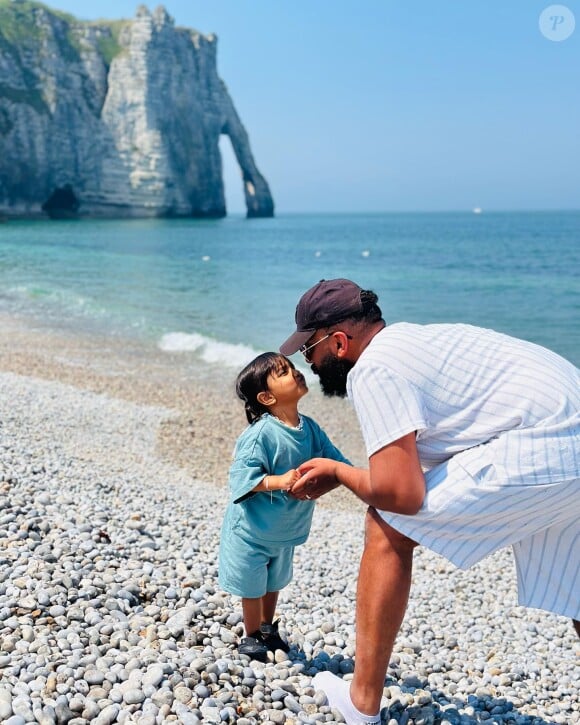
222, 290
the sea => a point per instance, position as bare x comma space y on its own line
221, 291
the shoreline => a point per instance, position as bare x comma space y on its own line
109, 605
206, 417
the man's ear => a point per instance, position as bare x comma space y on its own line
341, 341
266, 398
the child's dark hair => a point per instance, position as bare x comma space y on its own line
253, 380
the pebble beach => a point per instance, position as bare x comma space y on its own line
113, 473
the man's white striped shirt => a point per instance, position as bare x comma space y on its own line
459, 386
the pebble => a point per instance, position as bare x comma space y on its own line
110, 609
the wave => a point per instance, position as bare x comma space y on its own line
220, 353
50, 301
209, 350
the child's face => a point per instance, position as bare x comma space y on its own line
286, 383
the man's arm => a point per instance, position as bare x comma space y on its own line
393, 482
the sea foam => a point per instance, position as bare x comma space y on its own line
210, 351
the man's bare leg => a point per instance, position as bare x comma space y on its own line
381, 601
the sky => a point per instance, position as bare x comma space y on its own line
376, 105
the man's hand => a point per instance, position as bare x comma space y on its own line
393, 482
317, 477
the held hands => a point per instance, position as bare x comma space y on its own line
281, 482
288, 479
317, 477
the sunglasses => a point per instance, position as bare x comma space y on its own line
305, 349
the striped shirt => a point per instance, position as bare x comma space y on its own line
460, 386
498, 433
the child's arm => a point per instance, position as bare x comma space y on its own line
278, 483
329, 450
323, 447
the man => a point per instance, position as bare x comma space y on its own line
473, 440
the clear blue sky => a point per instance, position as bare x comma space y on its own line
376, 105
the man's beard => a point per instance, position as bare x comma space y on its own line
333, 373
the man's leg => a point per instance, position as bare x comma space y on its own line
381, 601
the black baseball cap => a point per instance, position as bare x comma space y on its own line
328, 302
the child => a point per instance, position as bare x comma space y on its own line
263, 523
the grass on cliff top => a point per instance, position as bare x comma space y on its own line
109, 46
17, 23
18, 26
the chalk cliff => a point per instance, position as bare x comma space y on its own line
120, 118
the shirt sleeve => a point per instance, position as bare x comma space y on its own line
322, 446
387, 405
249, 465
245, 475
329, 450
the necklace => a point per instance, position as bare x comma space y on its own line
292, 427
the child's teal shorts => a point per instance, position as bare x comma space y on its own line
250, 569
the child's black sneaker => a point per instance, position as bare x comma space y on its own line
271, 638
254, 647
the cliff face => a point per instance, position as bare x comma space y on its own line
124, 116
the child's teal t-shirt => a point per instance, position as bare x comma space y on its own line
269, 447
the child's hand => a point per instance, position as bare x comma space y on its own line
289, 478
317, 477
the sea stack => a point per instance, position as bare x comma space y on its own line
121, 118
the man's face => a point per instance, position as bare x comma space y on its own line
333, 372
